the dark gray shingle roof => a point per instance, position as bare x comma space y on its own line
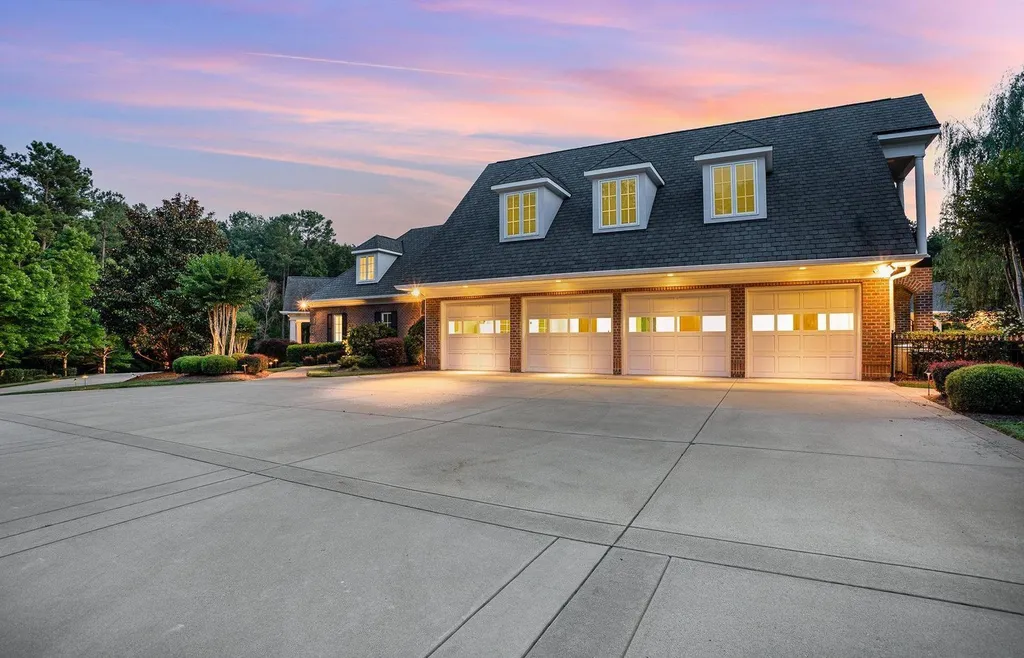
411, 244
301, 287
830, 196
381, 242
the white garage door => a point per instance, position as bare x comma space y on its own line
569, 334
476, 335
678, 334
803, 333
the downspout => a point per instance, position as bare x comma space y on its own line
892, 296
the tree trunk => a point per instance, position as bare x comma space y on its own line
64, 364
103, 363
1015, 274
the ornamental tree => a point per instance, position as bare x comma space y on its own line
222, 283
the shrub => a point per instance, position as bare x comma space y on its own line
353, 361
217, 364
942, 369
188, 365
253, 363
328, 357
987, 388
362, 338
414, 343
275, 348
390, 352
298, 352
309, 360
16, 375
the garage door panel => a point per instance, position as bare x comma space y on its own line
575, 346
842, 343
761, 301
465, 350
660, 342
841, 299
764, 342
788, 301
789, 343
814, 300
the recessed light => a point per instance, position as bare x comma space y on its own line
465, 286
671, 275
558, 280
803, 268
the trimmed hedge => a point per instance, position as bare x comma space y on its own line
987, 388
942, 369
299, 352
216, 364
354, 361
16, 375
253, 363
275, 348
390, 352
362, 338
188, 365
414, 343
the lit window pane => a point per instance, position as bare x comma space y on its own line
529, 212
604, 325
764, 323
487, 327
609, 204
689, 323
840, 321
454, 327
538, 326
786, 322
745, 187
641, 325
813, 321
558, 325
574, 325
503, 326
627, 192
633, 325
470, 326
713, 323
722, 189
664, 324
512, 214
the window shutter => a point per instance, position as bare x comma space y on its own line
330, 327
344, 325
394, 319
376, 316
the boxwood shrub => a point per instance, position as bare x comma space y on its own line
390, 352
216, 364
299, 352
987, 388
942, 369
16, 375
275, 348
188, 365
253, 363
353, 361
362, 338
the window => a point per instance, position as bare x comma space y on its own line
538, 326
558, 325
487, 327
641, 325
733, 189
689, 323
840, 321
455, 326
786, 322
590, 325
338, 327
604, 325
713, 323
504, 326
386, 318
618, 202
763, 323
367, 267
520, 213
812, 322
665, 325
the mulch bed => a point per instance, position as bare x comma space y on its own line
170, 376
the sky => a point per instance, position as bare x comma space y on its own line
381, 113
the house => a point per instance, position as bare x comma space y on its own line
776, 247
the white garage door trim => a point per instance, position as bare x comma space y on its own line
672, 348
570, 346
836, 359
487, 347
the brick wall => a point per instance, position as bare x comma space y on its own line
901, 307
407, 314
515, 337
432, 334
876, 336
738, 319
616, 333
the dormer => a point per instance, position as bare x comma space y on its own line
735, 169
528, 200
623, 190
374, 257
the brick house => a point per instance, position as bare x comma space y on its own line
775, 247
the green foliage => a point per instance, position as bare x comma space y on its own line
354, 361
275, 348
414, 343
942, 369
948, 336
188, 365
245, 328
218, 364
17, 375
390, 352
994, 389
362, 338
220, 278
253, 363
297, 352
975, 278
138, 295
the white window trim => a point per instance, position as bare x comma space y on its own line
760, 200
359, 260
618, 225
504, 215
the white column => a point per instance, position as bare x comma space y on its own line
899, 193
922, 221
293, 332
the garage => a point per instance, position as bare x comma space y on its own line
569, 334
678, 334
810, 333
476, 335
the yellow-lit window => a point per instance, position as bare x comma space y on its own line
581, 325
487, 327
722, 177
470, 326
745, 188
367, 267
512, 214
627, 192
529, 213
812, 322
558, 325
455, 326
840, 321
504, 326
689, 323
609, 203
538, 326
641, 325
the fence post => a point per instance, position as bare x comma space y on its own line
892, 356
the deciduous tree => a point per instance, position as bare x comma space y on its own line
222, 283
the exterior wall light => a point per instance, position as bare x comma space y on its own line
303, 304
415, 292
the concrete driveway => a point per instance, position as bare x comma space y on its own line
469, 515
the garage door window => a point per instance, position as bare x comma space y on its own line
712, 323
840, 321
460, 327
763, 323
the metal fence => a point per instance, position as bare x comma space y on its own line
913, 352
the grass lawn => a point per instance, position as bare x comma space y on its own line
29, 381
355, 372
1014, 428
913, 383
154, 379
281, 368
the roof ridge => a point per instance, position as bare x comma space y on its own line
615, 152
626, 140
730, 132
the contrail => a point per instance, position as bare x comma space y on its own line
390, 67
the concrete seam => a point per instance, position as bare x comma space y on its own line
843, 454
646, 607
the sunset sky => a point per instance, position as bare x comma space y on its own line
379, 114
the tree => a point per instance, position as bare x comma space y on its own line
109, 352
222, 283
990, 211
138, 295
108, 215
269, 302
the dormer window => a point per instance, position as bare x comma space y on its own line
734, 184
520, 213
618, 202
367, 271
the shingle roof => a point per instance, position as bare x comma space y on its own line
830, 196
301, 287
733, 140
381, 242
411, 244
620, 158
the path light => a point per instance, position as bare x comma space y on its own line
85, 380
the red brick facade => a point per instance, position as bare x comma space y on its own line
876, 319
407, 313
912, 297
